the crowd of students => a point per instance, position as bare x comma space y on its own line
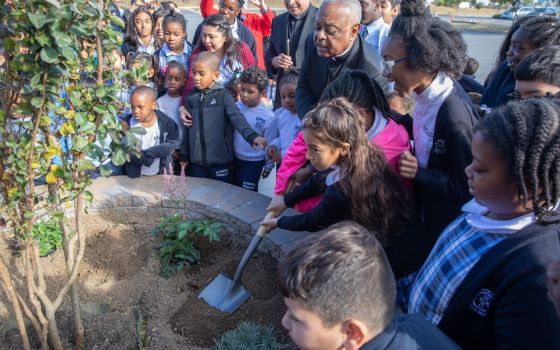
437, 196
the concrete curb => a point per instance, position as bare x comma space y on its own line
240, 210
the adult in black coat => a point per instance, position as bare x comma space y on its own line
335, 46
296, 24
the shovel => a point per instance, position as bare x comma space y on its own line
227, 295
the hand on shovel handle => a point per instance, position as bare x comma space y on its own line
268, 224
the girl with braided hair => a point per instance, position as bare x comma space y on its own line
369, 100
484, 282
532, 34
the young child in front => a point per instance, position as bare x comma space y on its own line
161, 136
353, 177
287, 124
248, 163
339, 292
484, 283
176, 47
212, 115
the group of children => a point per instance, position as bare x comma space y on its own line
227, 125
458, 229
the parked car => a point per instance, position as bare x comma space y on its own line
543, 11
507, 14
523, 11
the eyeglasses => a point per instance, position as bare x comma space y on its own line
388, 65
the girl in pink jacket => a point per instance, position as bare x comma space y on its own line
382, 131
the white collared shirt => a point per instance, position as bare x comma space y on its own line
379, 123
377, 32
425, 113
150, 48
235, 29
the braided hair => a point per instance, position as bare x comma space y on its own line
526, 134
432, 44
542, 31
359, 89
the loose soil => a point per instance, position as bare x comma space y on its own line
119, 283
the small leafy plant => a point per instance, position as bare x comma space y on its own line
177, 248
249, 336
48, 236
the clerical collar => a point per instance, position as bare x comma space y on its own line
345, 54
300, 17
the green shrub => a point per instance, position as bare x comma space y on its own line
249, 336
177, 248
48, 236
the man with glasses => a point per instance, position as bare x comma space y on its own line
335, 46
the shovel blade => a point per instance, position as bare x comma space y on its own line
224, 295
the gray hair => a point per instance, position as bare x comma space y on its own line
351, 7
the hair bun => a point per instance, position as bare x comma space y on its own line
414, 8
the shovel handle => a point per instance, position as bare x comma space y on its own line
262, 229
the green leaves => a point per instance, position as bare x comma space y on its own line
48, 236
37, 19
49, 55
177, 247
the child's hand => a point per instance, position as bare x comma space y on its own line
299, 177
259, 142
186, 117
270, 224
408, 166
274, 154
553, 284
277, 205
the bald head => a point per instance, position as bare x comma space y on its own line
337, 25
144, 91
210, 60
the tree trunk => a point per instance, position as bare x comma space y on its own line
76, 313
10, 291
54, 335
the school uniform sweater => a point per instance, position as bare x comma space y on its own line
441, 184
494, 295
498, 89
332, 208
209, 141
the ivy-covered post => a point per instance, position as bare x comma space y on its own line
58, 126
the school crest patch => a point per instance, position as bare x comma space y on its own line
482, 302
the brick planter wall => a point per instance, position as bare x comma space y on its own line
238, 209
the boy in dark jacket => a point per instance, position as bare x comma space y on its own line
340, 294
161, 135
212, 114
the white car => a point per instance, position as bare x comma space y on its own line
522, 12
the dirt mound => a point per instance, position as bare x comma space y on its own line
120, 279
264, 306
